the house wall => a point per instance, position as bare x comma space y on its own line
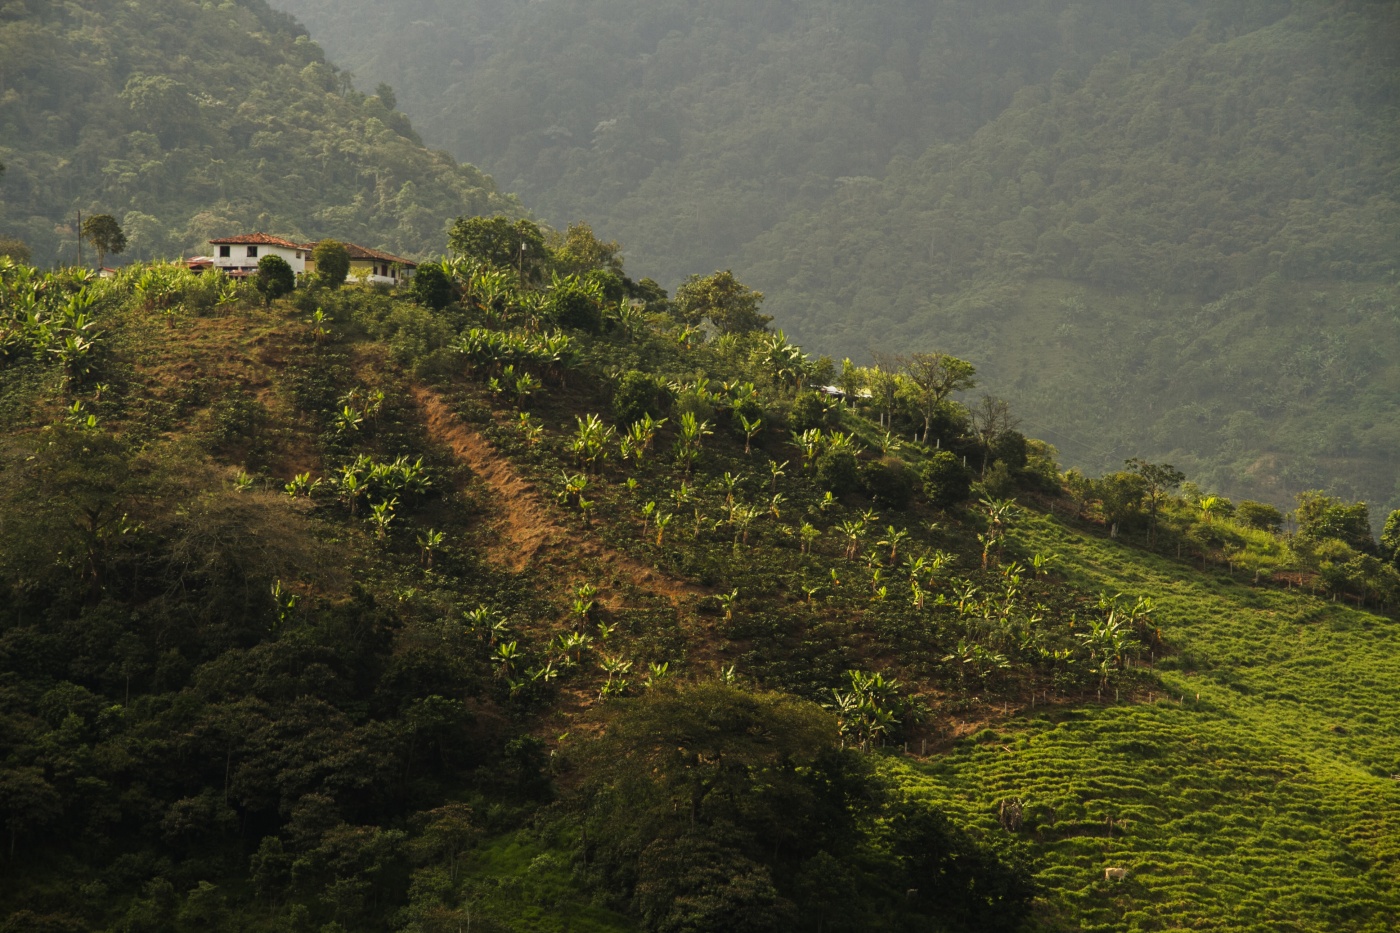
239, 258
371, 271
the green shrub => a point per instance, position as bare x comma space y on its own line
1259, 515
431, 287
946, 481
836, 471
749, 408
808, 411
573, 307
638, 394
999, 482
274, 279
1010, 448
332, 262
889, 481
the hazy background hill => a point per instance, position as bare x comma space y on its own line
185, 120
1163, 229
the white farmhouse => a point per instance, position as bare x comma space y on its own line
239, 255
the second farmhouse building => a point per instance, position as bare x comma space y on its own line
239, 256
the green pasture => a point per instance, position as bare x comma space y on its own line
1254, 792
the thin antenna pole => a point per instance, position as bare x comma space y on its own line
80, 239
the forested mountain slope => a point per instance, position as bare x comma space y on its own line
187, 120
521, 602
1163, 228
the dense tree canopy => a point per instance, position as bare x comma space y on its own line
232, 122
1161, 229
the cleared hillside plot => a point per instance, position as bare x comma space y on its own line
1257, 794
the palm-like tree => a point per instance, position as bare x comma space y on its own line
776, 469
507, 654
692, 432
893, 538
852, 532
382, 516
809, 443
429, 542
750, 428
1211, 506
661, 522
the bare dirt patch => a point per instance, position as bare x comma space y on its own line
528, 530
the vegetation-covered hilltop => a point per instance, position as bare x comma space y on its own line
1164, 229
188, 120
534, 599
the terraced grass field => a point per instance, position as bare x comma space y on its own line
1255, 793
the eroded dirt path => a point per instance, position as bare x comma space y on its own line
528, 529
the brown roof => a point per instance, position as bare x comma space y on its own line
364, 252
258, 239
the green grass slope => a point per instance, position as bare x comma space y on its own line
1254, 792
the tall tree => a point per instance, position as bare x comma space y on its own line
506, 244
1390, 537
1322, 516
724, 301
1160, 480
992, 419
105, 235
579, 250
932, 378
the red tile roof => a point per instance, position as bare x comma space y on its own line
364, 252
257, 239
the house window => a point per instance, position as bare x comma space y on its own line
225, 252
252, 252
298, 254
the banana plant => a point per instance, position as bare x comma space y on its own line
730, 484
574, 644
692, 433
776, 469
320, 323
428, 543
661, 522
382, 517
525, 386
347, 420
750, 429
656, 673
285, 603
574, 485
809, 444
532, 431
742, 518
893, 538
853, 531
590, 440
301, 485
507, 655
